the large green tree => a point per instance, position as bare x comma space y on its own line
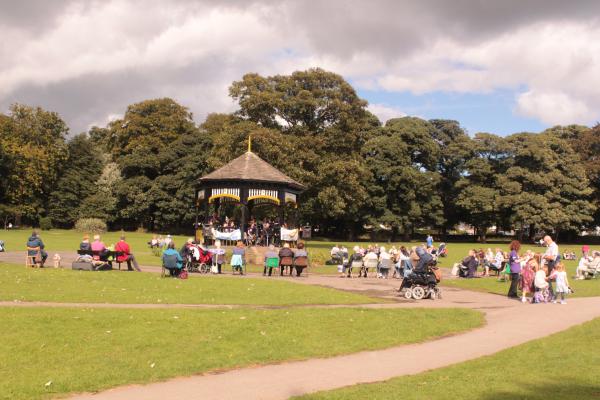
456, 149
402, 160
586, 143
77, 181
160, 152
545, 186
33, 140
479, 188
323, 125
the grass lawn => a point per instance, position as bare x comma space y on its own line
51, 351
64, 285
65, 240
562, 366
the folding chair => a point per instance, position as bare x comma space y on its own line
302, 263
33, 257
286, 262
272, 263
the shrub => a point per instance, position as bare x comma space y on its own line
91, 225
45, 223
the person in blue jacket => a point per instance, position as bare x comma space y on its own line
35, 241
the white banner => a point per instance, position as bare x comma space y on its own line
233, 235
289, 235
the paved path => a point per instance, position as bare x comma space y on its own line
509, 323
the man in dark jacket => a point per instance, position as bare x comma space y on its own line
33, 242
424, 260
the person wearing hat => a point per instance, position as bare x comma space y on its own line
185, 249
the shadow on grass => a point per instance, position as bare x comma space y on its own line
556, 391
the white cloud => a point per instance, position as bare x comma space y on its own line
385, 112
554, 108
95, 58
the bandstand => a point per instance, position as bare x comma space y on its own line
248, 181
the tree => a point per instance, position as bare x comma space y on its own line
34, 141
319, 114
160, 152
586, 143
102, 202
402, 160
478, 189
77, 181
545, 185
455, 149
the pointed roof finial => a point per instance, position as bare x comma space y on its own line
250, 143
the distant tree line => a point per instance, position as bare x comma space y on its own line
410, 173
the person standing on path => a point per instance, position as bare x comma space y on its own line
551, 257
515, 268
429, 241
562, 283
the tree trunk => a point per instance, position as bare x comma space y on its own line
405, 234
394, 233
482, 234
531, 232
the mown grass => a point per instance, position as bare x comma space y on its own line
560, 367
63, 285
68, 240
51, 351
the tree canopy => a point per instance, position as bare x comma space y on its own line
140, 170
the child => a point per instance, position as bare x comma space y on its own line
540, 284
527, 278
562, 283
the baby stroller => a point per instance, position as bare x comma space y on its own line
1, 246
198, 259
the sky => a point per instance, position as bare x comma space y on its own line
495, 66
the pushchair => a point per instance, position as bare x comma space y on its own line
198, 259
1, 246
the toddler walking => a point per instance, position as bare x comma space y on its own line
562, 283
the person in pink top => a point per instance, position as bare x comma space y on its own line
97, 244
123, 247
99, 247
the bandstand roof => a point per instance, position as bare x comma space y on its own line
250, 167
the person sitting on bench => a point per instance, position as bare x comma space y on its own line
85, 243
33, 242
125, 254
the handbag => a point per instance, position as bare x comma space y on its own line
183, 274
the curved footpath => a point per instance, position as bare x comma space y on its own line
509, 323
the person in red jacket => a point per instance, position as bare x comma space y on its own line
123, 248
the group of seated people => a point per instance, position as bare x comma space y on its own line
488, 260
286, 259
99, 252
401, 261
589, 264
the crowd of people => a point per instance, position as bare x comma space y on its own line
400, 262
533, 274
